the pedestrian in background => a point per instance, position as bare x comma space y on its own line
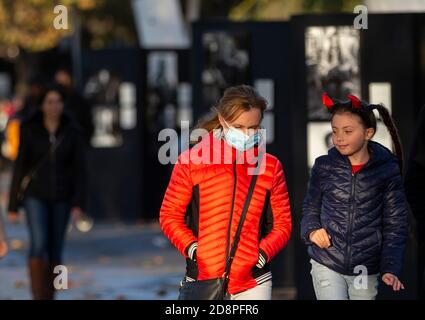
75, 103
49, 182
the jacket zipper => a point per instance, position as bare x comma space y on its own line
229, 228
351, 215
350, 220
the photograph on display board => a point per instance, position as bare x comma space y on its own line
102, 91
319, 140
225, 64
162, 74
332, 64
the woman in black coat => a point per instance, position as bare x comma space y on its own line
48, 181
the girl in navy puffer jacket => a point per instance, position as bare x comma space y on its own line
355, 215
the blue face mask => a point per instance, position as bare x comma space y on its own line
240, 140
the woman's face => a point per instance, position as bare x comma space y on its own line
52, 105
349, 134
248, 121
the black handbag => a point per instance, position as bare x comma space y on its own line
215, 289
27, 178
212, 289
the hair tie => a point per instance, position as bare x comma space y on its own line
371, 107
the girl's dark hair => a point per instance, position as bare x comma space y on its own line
367, 116
49, 88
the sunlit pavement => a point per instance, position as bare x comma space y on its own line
111, 261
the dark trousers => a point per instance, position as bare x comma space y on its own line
47, 223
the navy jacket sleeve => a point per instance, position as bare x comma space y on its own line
394, 224
312, 206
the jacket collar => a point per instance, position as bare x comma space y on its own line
378, 155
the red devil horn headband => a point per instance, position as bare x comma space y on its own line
327, 101
355, 102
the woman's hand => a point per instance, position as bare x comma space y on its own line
13, 217
391, 280
3, 248
320, 238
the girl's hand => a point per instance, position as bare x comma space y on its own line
3, 248
320, 238
13, 217
391, 280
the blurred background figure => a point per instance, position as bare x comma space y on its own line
75, 102
35, 88
48, 181
21, 106
10, 143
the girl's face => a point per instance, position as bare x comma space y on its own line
248, 121
52, 105
349, 134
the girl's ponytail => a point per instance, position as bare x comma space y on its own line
389, 123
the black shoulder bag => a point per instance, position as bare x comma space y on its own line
215, 289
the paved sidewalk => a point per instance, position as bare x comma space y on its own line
112, 261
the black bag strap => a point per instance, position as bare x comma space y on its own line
40, 162
241, 221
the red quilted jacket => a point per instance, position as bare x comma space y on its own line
197, 207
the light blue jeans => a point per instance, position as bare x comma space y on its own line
331, 285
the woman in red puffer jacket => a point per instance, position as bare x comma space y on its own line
204, 199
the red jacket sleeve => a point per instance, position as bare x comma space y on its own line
281, 211
173, 209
